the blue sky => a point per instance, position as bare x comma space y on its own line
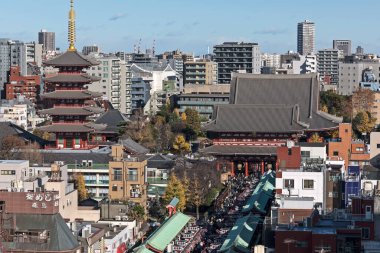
193, 25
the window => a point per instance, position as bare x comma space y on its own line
117, 174
335, 153
8, 172
77, 141
132, 175
114, 188
105, 75
289, 151
288, 183
301, 244
365, 233
308, 184
377, 145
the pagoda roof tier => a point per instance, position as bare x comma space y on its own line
67, 128
72, 78
71, 94
71, 58
82, 111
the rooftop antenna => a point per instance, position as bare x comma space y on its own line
135, 48
138, 47
208, 50
154, 48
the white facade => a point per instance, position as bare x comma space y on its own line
305, 65
16, 114
302, 184
313, 152
119, 237
271, 60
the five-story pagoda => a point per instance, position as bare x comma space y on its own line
66, 96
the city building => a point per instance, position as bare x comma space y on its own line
271, 60
158, 170
202, 98
66, 98
113, 82
86, 50
140, 92
305, 65
17, 53
237, 57
344, 45
359, 50
47, 40
19, 85
328, 65
306, 37
127, 177
352, 74
200, 72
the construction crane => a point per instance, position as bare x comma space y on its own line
138, 47
154, 48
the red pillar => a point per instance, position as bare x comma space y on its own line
246, 168
232, 169
262, 167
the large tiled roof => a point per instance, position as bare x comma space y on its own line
239, 150
257, 118
61, 238
160, 162
69, 78
84, 111
71, 58
75, 157
8, 128
272, 103
74, 94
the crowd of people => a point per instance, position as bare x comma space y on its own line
227, 210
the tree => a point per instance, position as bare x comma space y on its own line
325, 109
175, 189
180, 145
183, 117
315, 138
362, 100
9, 147
188, 188
193, 120
197, 196
137, 212
31, 153
81, 187
363, 123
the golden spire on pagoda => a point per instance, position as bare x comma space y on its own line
71, 33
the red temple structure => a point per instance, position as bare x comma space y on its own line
265, 112
66, 99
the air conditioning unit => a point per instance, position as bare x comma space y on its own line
117, 217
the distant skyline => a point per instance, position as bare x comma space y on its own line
193, 26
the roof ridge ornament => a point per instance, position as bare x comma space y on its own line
71, 26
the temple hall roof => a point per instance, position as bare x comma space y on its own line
239, 150
272, 103
67, 128
71, 58
83, 111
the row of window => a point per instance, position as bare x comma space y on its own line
306, 184
8, 172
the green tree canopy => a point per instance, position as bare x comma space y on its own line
176, 189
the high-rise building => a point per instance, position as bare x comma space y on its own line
306, 37
237, 57
200, 72
359, 50
328, 65
90, 49
47, 39
344, 45
17, 53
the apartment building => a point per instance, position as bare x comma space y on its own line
237, 57
328, 65
200, 72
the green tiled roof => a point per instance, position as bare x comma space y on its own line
168, 231
142, 249
240, 235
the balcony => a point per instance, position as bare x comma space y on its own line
156, 180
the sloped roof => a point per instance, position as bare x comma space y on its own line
66, 128
255, 118
133, 147
71, 58
272, 103
112, 118
84, 111
239, 150
8, 128
168, 231
75, 157
69, 78
241, 234
160, 161
61, 238
74, 94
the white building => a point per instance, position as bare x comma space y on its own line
305, 65
271, 60
299, 183
328, 65
306, 37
